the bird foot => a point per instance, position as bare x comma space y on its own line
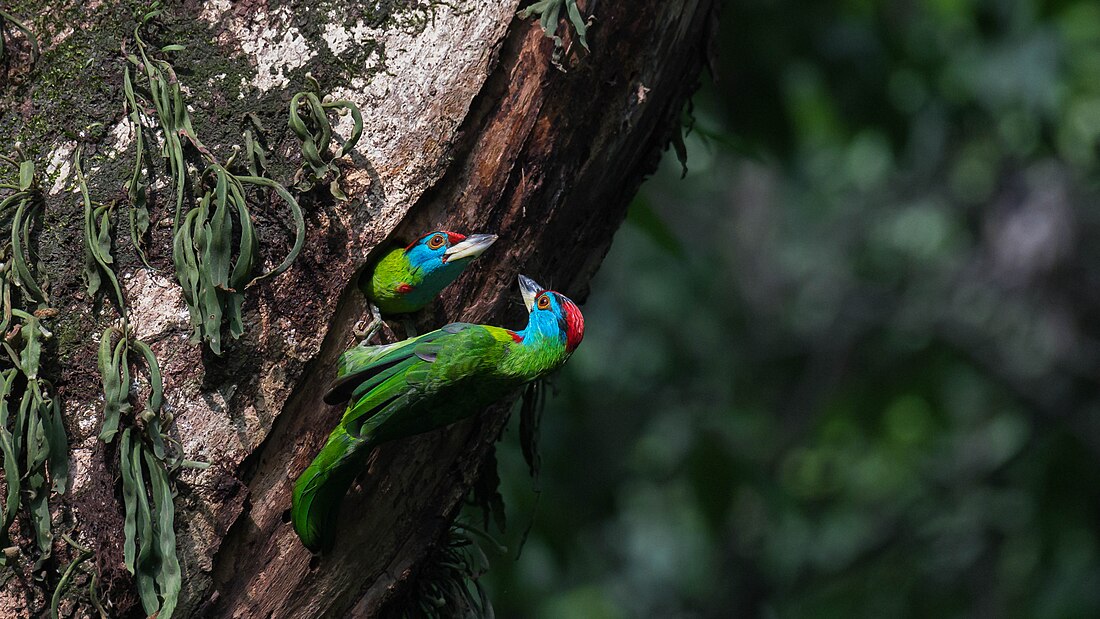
366, 333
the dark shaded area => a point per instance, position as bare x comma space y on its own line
848, 366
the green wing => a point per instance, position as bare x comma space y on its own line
394, 390
431, 384
359, 364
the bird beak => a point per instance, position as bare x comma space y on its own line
530, 289
472, 247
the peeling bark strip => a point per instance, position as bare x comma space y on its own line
468, 127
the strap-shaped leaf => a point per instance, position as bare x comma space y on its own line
299, 224
246, 255
32, 347
11, 460
66, 577
19, 427
156, 387
115, 374
171, 114
103, 235
40, 520
108, 374
92, 260
210, 304
357, 120
179, 170
135, 187
129, 501
36, 448
20, 232
5, 298
215, 243
549, 20
26, 175
187, 270
314, 133
578, 22
59, 445
97, 242
242, 268
297, 123
323, 128
38, 503
168, 576
145, 564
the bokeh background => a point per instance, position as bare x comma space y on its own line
847, 366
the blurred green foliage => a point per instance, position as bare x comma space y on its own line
848, 367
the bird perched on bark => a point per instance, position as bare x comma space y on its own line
422, 383
406, 279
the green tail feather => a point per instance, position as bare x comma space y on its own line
321, 488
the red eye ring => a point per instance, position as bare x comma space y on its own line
436, 241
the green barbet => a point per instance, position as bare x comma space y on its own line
419, 384
406, 279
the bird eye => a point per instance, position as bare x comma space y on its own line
435, 242
544, 302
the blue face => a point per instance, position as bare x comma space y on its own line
437, 259
428, 256
547, 318
555, 316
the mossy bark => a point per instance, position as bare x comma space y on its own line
469, 126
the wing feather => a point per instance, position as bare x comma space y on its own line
360, 363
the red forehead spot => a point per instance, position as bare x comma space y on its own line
403, 288
455, 238
574, 323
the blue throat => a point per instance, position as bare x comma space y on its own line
542, 325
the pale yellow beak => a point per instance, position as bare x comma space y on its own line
530, 289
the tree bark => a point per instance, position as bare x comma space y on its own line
469, 127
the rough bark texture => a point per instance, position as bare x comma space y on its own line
469, 127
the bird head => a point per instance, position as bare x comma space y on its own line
551, 314
441, 249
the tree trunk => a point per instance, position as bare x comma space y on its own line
469, 126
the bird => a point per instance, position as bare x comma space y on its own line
422, 383
406, 279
